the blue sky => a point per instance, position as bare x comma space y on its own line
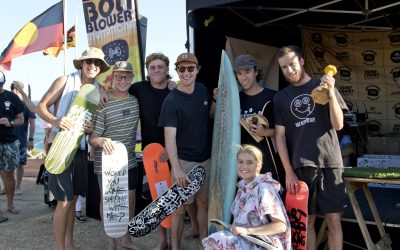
166, 33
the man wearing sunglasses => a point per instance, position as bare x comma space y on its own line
185, 116
66, 187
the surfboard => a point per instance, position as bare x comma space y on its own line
115, 191
66, 142
157, 173
225, 142
250, 237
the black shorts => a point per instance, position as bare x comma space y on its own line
72, 181
132, 179
327, 191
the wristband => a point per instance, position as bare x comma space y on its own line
214, 100
30, 139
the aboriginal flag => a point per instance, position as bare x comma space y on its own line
71, 41
46, 30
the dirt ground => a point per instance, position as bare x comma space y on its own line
33, 229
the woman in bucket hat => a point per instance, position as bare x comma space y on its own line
66, 187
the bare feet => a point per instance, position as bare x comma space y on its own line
129, 245
18, 191
191, 234
111, 244
162, 245
13, 210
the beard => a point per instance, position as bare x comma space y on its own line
298, 78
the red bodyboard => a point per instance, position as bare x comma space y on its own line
297, 211
157, 173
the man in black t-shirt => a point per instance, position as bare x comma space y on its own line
11, 115
151, 94
257, 100
308, 144
185, 117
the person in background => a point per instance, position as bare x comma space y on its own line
79, 216
118, 121
346, 145
11, 116
66, 187
25, 134
257, 208
308, 145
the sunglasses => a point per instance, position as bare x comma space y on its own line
126, 78
96, 62
182, 69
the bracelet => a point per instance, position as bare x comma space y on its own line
214, 100
30, 139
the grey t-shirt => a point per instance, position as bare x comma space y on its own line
311, 139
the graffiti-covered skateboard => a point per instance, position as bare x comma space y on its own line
166, 204
66, 142
115, 191
297, 211
157, 173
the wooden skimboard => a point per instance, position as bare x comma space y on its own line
252, 238
115, 191
157, 173
297, 211
152, 215
225, 142
66, 142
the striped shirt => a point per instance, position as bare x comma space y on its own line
118, 120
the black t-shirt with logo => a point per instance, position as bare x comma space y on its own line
260, 104
311, 140
10, 106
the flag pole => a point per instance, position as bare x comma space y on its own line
76, 34
65, 35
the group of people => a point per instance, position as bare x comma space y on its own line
17, 129
176, 115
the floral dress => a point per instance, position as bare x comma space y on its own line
255, 203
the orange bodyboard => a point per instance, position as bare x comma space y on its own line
297, 211
157, 173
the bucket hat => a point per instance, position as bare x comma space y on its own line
122, 66
92, 53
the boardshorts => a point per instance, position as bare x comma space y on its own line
189, 165
9, 156
22, 156
327, 191
132, 179
72, 181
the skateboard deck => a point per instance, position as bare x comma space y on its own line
157, 173
66, 142
252, 238
166, 204
115, 191
225, 141
297, 211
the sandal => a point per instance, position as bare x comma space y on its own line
80, 218
3, 219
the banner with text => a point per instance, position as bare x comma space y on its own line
112, 25
368, 77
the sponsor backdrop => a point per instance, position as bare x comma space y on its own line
112, 26
368, 75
